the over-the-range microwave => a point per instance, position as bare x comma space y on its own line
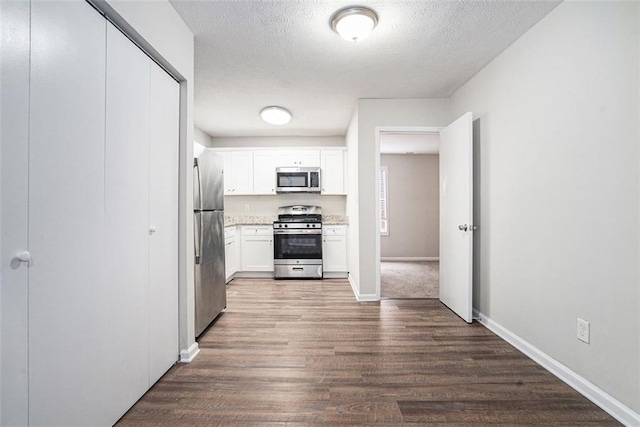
297, 180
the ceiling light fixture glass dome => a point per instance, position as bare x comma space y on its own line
275, 115
354, 23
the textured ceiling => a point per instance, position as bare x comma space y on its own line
254, 53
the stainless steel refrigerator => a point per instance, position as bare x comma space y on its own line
208, 209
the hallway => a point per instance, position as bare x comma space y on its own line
306, 353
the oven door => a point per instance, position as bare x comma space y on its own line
297, 245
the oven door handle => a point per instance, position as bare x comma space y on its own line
297, 231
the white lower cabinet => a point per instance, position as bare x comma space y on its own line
334, 249
230, 252
256, 248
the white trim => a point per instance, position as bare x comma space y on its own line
187, 356
386, 198
361, 297
378, 131
608, 403
409, 258
254, 274
335, 275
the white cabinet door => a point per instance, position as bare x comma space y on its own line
309, 158
332, 172
302, 158
257, 248
126, 219
230, 258
334, 249
163, 222
285, 158
227, 159
230, 252
264, 173
69, 304
242, 172
238, 172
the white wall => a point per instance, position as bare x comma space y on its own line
557, 123
201, 137
373, 113
353, 230
413, 202
269, 204
279, 141
158, 28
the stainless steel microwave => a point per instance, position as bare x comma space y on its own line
297, 180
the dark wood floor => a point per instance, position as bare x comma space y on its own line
306, 353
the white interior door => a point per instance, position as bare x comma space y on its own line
456, 216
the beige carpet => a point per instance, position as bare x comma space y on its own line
409, 279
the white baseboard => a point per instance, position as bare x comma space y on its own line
583, 386
409, 258
187, 356
254, 274
361, 297
335, 275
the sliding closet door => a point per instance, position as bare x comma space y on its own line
68, 297
163, 218
14, 202
126, 219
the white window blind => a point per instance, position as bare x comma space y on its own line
384, 205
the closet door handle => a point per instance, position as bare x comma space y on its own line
23, 256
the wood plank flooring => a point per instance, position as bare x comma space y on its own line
306, 353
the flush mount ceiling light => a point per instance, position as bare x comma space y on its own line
354, 23
275, 115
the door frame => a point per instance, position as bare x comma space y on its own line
379, 130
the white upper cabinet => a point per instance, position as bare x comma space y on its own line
238, 172
264, 172
300, 158
332, 171
250, 171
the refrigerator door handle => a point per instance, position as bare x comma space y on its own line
196, 169
198, 235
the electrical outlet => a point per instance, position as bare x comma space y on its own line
583, 330
247, 207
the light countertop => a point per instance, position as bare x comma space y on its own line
231, 220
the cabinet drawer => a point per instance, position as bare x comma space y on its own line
334, 230
229, 231
258, 230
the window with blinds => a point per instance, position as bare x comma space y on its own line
384, 205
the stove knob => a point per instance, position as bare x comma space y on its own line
285, 225
307, 225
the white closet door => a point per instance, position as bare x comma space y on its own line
68, 304
126, 219
14, 202
163, 218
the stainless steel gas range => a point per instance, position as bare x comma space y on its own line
297, 249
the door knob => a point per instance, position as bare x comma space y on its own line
463, 227
23, 256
